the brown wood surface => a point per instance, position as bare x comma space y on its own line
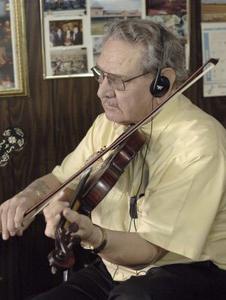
55, 117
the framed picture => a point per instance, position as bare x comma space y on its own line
65, 38
72, 32
13, 55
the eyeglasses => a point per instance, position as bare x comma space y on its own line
115, 81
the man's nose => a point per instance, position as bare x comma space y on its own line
104, 88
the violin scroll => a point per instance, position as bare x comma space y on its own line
62, 257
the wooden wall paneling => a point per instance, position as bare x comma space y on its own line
193, 92
54, 118
75, 111
21, 259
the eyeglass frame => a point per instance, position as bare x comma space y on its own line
106, 74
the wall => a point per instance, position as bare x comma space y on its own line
54, 118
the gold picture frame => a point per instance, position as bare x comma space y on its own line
13, 53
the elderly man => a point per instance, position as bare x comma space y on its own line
160, 232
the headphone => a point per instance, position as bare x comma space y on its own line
160, 84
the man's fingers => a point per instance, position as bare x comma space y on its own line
19, 216
71, 215
0, 219
5, 232
20, 232
53, 213
54, 209
51, 225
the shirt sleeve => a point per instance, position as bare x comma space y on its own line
177, 213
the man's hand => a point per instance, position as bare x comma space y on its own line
12, 211
85, 229
12, 214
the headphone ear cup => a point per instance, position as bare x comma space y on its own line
159, 86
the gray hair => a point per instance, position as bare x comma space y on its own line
161, 47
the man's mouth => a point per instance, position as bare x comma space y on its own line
109, 103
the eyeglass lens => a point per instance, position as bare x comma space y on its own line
115, 82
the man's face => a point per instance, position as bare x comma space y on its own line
133, 104
75, 29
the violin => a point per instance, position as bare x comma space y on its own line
89, 192
93, 188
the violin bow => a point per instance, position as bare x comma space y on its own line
199, 73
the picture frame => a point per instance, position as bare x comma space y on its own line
64, 30
13, 52
64, 58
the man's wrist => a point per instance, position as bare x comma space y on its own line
102, 244
31, 194
99, 241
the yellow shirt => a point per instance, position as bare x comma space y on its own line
183, 209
